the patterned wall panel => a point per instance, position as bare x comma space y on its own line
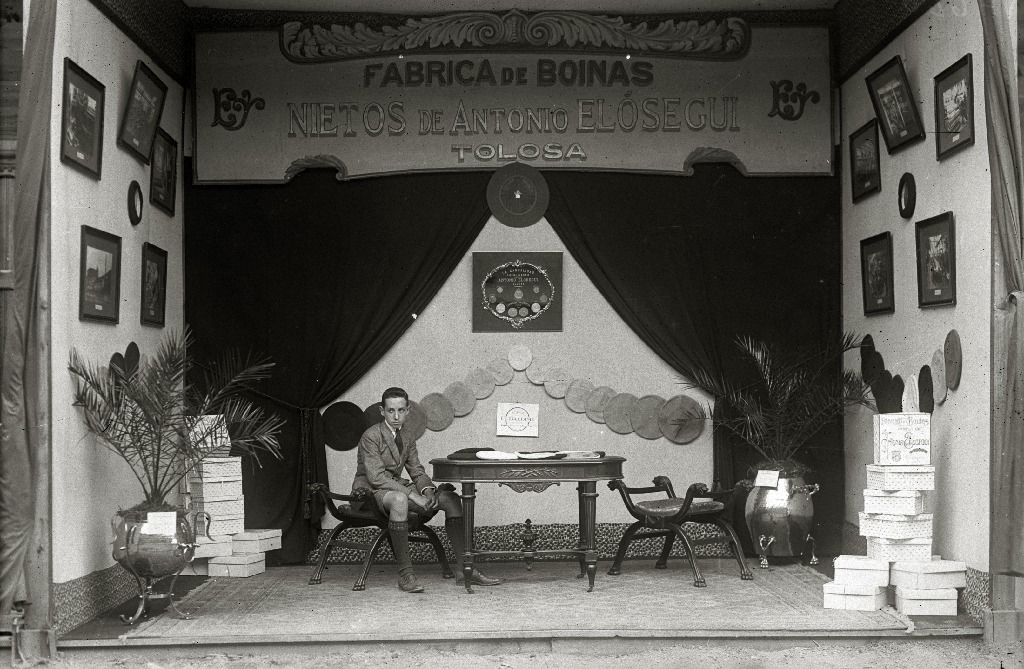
159, 27
82, 599
865, 26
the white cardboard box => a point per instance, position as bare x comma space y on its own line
215, 488
896, 550
221, 524
902, 438
854, 597
929, 574
895, 526
220, 507
860, 570
221, 545
910, 502
913, 602
238, 566
900, 477
256, 541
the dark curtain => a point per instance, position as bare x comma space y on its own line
323, 277
24, 381
691, 262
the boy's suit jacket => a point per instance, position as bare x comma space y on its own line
380, 464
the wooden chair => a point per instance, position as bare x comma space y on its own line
360, 510
665, 518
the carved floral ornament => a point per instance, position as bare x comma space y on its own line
711, 39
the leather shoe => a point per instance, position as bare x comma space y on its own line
408, 583
479, 578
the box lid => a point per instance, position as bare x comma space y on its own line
201, 539
929, 566
243, 558
222, 460
850, 589
916, 541
902, 469
859, 562
892, 493
895, 517
915, 593
254, 535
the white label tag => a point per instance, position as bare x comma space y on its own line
162, 522
767, 478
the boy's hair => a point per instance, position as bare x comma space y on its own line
393, 392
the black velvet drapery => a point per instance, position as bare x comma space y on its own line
323, 277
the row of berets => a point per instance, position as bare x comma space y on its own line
897, 529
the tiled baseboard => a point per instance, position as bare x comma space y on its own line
82, 599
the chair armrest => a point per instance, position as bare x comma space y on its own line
661, 484
325, 493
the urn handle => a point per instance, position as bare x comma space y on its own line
810, 489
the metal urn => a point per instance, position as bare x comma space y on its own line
780, 519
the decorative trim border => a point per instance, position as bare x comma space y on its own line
82, 599
710, 39
161, 29
976, 598
865, 27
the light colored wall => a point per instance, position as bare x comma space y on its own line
89, 484
907, 338
594, 343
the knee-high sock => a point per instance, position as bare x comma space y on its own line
399, 531
455, 529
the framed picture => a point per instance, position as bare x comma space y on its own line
894, 105
142, 113
163, 172
865, 175
876, 276
154, 285
81, 126
936, 261
954, 108
517, 292
99, 292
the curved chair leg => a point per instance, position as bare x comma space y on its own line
446, 569
698, 578
745, 573
371, 555
315, 578
620, 554
662, 562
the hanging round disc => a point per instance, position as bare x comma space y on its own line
576, 395
343, 424
681, 419
439, 410
926, 394
372, 415
939, 376
461, 397
954, 359
517, 195
618, 413
557, 382
416, 422
597, 401
480, 382
536, 373
520, 357
500, 371
644, 417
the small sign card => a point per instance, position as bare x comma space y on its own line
517, 420
162, 522
767, 478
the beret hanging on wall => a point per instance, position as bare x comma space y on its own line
954, 359
344, 424
517, 195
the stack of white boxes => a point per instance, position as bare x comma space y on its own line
928, 587
216, 488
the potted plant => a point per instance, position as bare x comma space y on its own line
787, 398
150, 415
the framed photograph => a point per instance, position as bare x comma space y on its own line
99, 292
936, 261
154, 285
894, 105
142, 113
81, 126
876, 276
954, 108
163, 172
517, 292
865, 175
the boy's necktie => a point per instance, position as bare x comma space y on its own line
398, 440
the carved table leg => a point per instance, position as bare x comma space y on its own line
588, 500
581, 547
468, 500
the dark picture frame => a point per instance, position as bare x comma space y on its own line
954, 108
876, 274
81, 125
894, 104
163, 172
99, 290
935, 241
142, 113
154, 285
517, 291
865, 170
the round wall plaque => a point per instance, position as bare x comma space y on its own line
517, 195
907, 195
134, 202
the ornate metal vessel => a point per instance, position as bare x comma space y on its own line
780, 519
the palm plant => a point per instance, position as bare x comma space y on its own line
152, 417
791, 397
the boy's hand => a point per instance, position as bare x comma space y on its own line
431, 499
